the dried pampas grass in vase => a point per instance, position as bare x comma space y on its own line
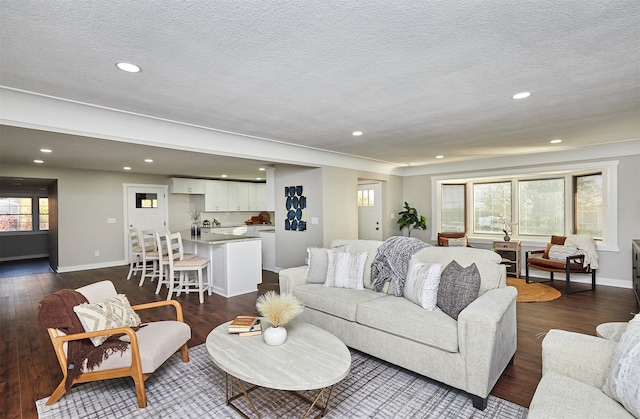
278, 309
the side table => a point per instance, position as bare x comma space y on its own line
510, 252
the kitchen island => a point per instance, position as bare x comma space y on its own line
236, 261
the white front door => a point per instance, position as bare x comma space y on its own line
146, 208
370, 211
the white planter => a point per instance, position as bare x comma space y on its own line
274, 336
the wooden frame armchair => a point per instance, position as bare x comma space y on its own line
572, 264
455, 235
150, 346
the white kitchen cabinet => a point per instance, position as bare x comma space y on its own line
261, 196
187, 186
216, 196
238, 196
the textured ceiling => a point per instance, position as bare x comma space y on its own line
419, 78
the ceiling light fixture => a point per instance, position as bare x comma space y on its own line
521, 95
126, 168
148, 160
45, 150
258, 178
223, 175
262, 169
38, 161
440, 156
556, 141
128, 67
357, 133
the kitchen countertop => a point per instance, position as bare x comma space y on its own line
213, 238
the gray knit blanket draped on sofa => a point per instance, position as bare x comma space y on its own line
392, 262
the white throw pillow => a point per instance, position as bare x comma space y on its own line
421, 286
318, 260
346, 270
623, 379
460, 242
108, 314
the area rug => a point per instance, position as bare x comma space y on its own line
373, 389
532, 293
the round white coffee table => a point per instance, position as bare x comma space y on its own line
310, 359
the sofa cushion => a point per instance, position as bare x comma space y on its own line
623, 379
358, 246
559, 396
340, 302
345, 270
492, 272
458, 288
421, 286
318, 260
399, 316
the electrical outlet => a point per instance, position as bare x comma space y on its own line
97, 253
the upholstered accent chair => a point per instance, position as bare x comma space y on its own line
149, 346
571, 264
443, 238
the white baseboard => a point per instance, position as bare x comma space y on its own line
111, 264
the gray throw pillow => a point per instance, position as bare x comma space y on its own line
458, 288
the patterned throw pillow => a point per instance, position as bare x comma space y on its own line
448, 242
108, 314
458, 288
346, 270
623, 379
318, 261
421, 286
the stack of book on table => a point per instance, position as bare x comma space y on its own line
246, 326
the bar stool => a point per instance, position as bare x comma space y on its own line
179, 280
135, 253
150, 256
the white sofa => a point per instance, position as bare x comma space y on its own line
574, 370
469, 354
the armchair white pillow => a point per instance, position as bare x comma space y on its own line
421, 285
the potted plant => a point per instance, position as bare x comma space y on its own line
195, 223
410, 219
278, 309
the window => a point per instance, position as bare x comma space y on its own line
491, 207
588, 206
366, 198
453, 208
146, 200
531, 203
43, 213
541, 207
16, 214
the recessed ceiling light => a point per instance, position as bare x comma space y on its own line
262, 169
521, 95
223, 175
38, 161
258, 178
45, 150
128, 67
556, 141
440, 157
126, 168
357, 133
148, 160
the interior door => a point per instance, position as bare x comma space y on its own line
370, 211
146, 208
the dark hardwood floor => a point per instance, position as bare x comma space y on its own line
30, 370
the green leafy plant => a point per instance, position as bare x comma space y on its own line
195, 216
410, 219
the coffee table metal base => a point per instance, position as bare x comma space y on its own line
318, 402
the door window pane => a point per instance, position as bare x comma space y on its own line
541, 207
492, 207
146, 200
452, 212
588, 205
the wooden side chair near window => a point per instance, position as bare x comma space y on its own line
97, 335
575, 254
453, 239
135, 264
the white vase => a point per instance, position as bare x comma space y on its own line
274, 336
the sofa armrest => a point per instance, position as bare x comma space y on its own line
582, 357
292, 277
487, 336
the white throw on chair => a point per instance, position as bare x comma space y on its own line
150, 256
135, 255
178, 264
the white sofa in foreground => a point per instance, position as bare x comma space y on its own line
469, 353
